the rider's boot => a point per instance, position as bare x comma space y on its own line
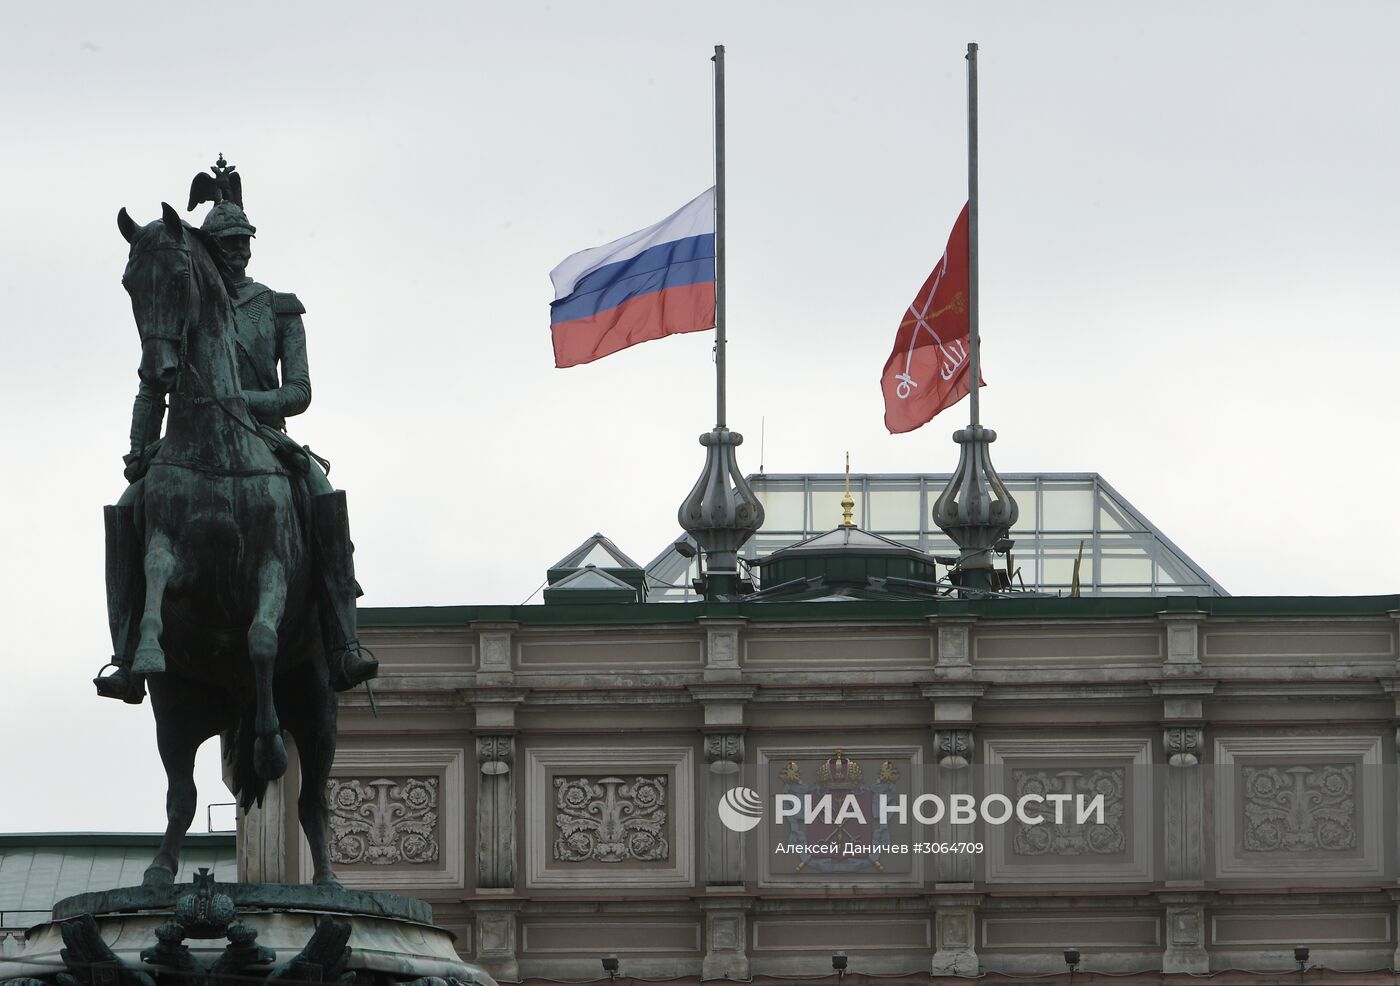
124, 587
346, 660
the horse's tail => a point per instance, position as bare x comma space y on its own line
247, 786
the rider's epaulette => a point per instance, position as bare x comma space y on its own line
286, 303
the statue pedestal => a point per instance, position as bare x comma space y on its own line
391, 938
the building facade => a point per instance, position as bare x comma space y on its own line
551, 777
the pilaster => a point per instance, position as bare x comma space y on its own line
1392, 687
954, 747
497, 937
723, 748
1395, 902
495, 811
955, 935
1183, 631
1185, 950
1394, 615
1183, 802
954, 636
495, 702
496, 645
722, 643
726, 937
724, 848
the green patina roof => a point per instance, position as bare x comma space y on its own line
847, 563
39, 869
1038, 608
591, 585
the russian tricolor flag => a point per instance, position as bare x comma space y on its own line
656, 282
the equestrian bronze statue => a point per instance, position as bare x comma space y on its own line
231, 588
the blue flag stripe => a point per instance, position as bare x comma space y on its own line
666, 265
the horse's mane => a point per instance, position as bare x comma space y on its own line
213, 256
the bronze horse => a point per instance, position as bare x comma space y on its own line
229, 633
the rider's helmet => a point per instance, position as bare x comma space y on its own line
228, 219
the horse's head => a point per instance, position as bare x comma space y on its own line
170, 271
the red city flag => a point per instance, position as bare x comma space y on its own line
927, 371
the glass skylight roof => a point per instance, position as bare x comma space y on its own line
1124, 554
598, 551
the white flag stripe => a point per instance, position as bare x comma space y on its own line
695, 218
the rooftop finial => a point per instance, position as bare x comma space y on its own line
847, 504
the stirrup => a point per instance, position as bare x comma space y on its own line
342, 679
122, 684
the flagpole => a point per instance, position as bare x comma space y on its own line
974, 368
719, 235
975, 509
721, 512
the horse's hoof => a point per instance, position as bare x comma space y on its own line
269, 757
328, 881
149, 659
158, 877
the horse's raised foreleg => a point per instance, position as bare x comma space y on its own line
160, 567
269, 752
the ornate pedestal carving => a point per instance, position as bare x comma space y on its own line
212, 933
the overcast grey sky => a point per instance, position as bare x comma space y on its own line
1188, 264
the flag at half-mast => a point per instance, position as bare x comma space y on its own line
656, 282
928, 370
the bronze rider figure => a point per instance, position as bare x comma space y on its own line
270, 334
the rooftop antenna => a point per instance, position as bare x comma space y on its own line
975, 509
762, 441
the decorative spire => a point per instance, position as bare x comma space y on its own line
847, 504
721, 512
975, 509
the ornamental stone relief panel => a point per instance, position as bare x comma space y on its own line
1068, 837
385, 821
396, 813
1105, 780
610, 819
1300, 808
622, 817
